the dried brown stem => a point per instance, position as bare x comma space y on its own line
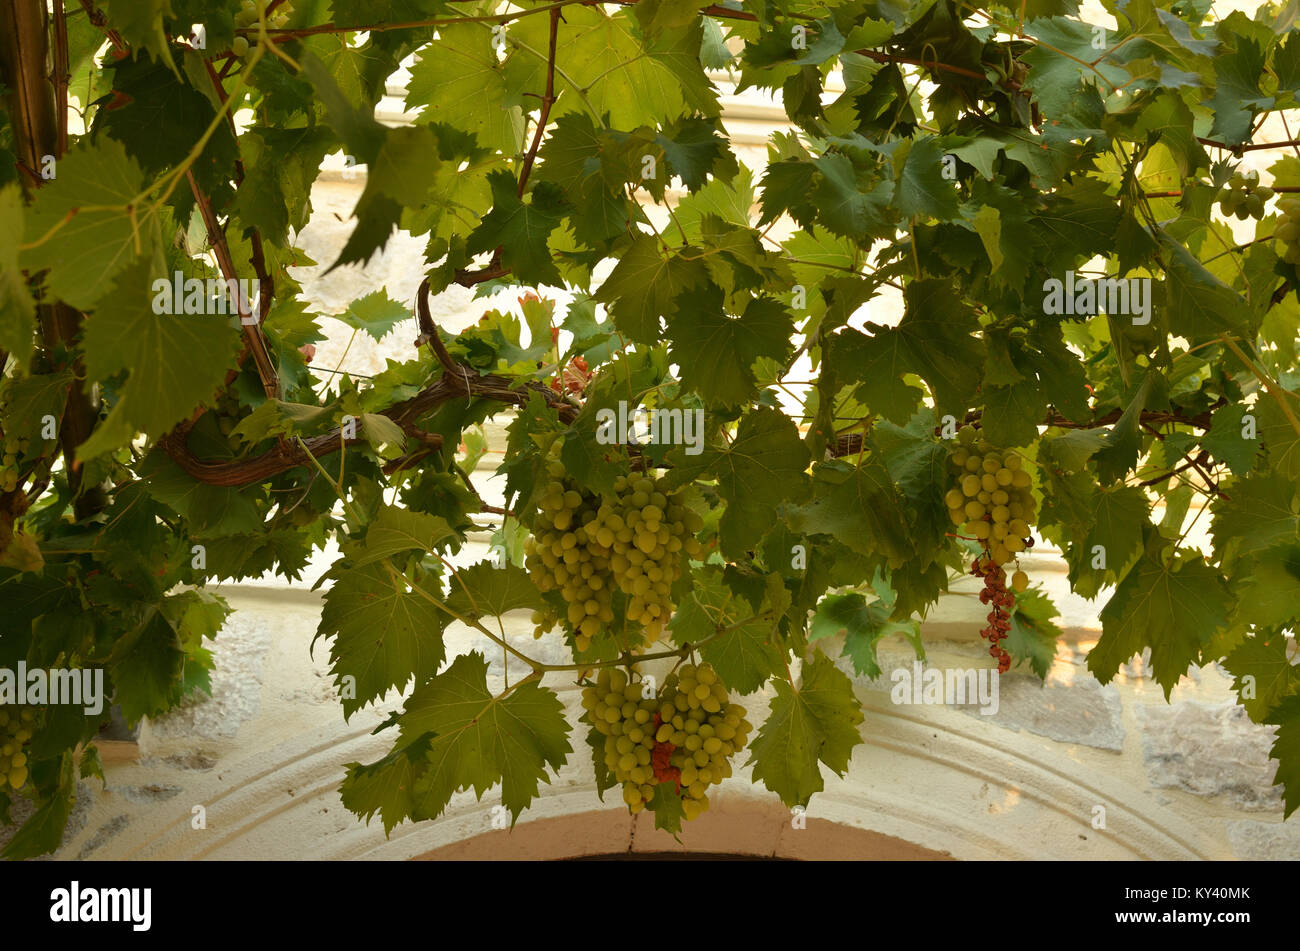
549, 97
61, 77
254, 341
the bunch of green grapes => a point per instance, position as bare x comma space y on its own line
625, 713
586, 547
13, 447
1288, 229
17, 724
992, 499
699, 730
561, 558
247, 18
685, 736
642, 532
1244, 196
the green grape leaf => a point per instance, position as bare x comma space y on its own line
1060, 63
843, 207
17, 309
1172, 607
1237, 95
401, 174
863, 625
386, 630
376, 313
145, 667
1200, 305
762, 467
480, 740
159, 117
1226, 440
1262, 674
209, 510
459, 82
1123, 441
1269, 592
1286, 750
643, 285
603, 68
667, 807
394, 531
387, 785
485, 590
922, 189
1118, 519
80, 224
1033, 635
521, 230
933, 340
717, 352
28, 401
816, 721
176, 361
859, 506
1263, 511
694, 151
1012, 413
140, 22
1279, 435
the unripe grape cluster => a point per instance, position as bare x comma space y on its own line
993, 502
13, 447
17, 725
991, 499
247, 17
700, 731
1244, 196
586, 547
685, 736
1288, 229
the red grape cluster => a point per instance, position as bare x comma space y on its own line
995, 592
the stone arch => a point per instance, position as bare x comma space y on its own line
929, 783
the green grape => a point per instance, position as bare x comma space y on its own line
17, 727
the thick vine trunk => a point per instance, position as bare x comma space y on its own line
25, 67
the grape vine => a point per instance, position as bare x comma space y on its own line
1075, 242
